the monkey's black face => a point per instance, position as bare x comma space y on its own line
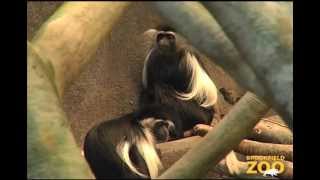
166, 43
165, 63
163, 130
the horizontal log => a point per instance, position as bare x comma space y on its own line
271, 130
248, 147
279, 135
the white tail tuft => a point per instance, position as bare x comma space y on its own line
145, 146
123, 151
149, 154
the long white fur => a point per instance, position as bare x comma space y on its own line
149, 154
149, 122
145, 146
201, 86
144, 70
123, 152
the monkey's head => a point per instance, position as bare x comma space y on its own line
163, 130
164, 62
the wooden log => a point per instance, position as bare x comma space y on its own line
67, 41
51, 149
213, 147
269, 130
282, 136
248, 147
63, 45
263, 33
172, 151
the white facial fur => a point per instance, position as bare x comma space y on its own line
146, 149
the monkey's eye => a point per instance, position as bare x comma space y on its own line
160, 36
170, 37
165, 35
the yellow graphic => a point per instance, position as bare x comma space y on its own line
266, 165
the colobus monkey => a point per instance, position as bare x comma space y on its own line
177, 94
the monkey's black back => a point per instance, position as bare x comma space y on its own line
100, 148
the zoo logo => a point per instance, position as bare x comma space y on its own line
266, 168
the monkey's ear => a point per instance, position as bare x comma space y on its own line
165, 28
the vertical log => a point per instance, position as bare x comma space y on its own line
63, 45
51, 150
225, 136
70, 37
262, 32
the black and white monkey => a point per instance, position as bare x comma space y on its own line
177, 94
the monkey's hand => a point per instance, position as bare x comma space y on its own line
201, 129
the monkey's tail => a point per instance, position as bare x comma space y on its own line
144, 143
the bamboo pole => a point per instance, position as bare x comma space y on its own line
227, 134
262, 32
62, 46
